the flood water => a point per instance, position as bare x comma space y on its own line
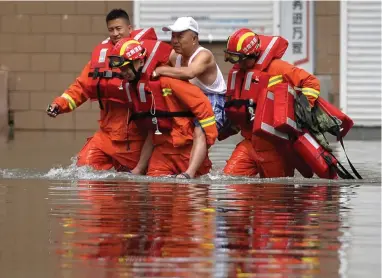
57, 220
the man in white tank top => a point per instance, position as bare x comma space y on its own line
189, 61
192, 62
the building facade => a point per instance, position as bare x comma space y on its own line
45, 45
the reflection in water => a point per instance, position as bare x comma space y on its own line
2, 206
119, 229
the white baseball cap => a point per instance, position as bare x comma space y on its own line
183, 24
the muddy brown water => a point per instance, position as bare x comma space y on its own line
57, 220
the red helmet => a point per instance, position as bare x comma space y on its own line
242, 44
125, 51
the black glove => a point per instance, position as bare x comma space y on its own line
52, 111
303, 111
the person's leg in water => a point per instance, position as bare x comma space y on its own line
92, 154
199, 147
217, 103
175, 162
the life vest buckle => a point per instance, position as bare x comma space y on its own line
104, 74
94, 74
155, 122
251, 110
107, 74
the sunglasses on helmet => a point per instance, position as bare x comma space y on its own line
116, 61
235, 57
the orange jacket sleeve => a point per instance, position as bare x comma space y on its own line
76, 94
195, 100
308, 83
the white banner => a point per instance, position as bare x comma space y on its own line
296, 25
216, 19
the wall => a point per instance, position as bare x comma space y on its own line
327, 42
46, 44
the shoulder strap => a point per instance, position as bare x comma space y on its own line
200, 48
178, 61
350, 164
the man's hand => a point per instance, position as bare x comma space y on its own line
157, 72
53, 110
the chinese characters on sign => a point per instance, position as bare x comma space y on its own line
297, 24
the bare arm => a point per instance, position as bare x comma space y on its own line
144, 158
196, 68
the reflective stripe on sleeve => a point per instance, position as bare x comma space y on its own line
275, 80
208, 121
310, 92
72, 103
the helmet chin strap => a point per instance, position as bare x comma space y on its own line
137, 73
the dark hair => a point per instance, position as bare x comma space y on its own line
117, 13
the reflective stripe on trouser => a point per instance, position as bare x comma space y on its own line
167, 160
101, 153
248, 160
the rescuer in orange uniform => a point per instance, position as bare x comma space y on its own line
108, 147
249, 51
167, 106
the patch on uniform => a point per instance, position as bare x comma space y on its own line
166, 92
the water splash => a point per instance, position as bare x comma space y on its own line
216, 176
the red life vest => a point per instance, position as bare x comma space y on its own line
150, 111
284, 119
301, 166
105, 83
346, 123
276, 101
243, 88
263, 125
144, 34
271, 47
320, 161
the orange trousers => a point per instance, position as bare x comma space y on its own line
102, 153
167, 160
259, 157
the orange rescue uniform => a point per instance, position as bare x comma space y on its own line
257, 155
172, 150
115, 144
298, 78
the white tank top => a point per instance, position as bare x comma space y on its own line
217, 87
